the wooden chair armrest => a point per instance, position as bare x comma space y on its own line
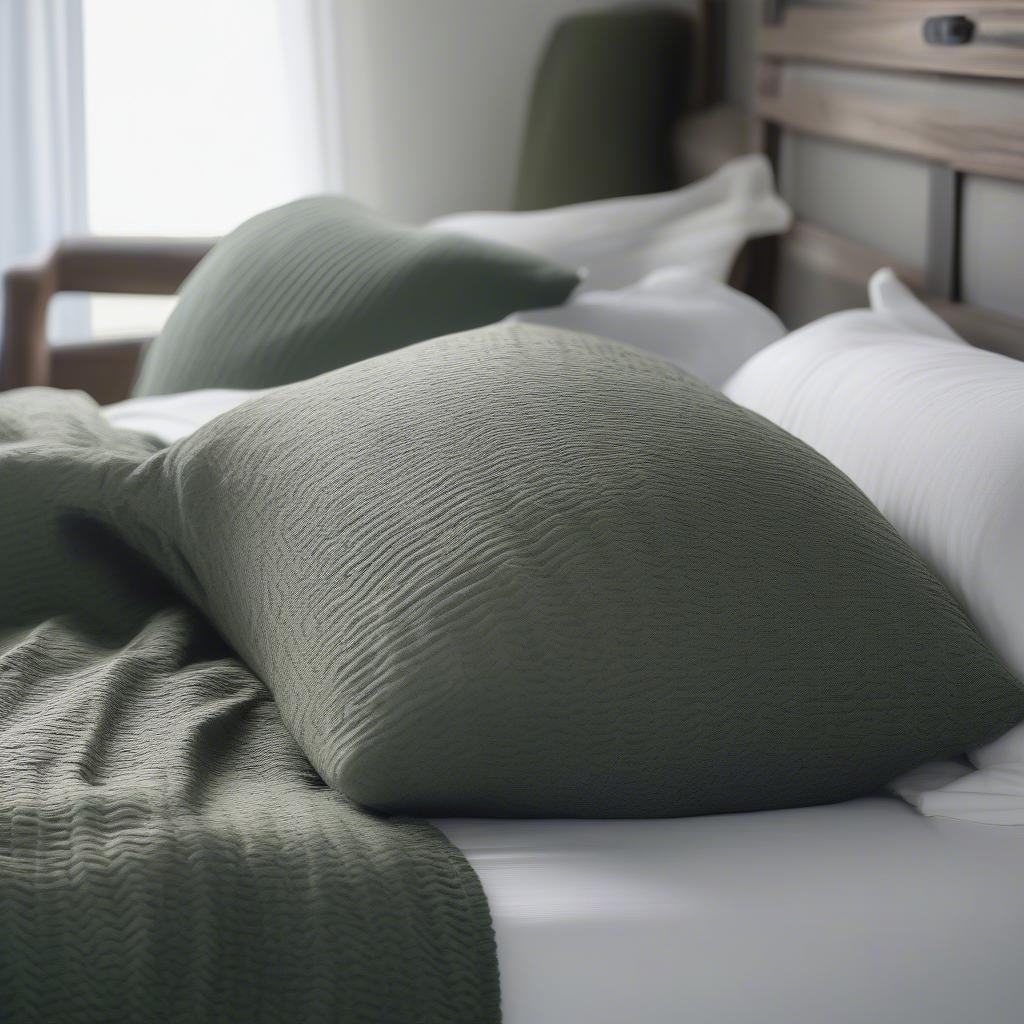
129, 266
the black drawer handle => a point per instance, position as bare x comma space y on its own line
949, 30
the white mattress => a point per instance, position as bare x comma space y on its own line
860, 912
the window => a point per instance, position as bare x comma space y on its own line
197, 115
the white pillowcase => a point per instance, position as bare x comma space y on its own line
707, 328
616, 242
932, 430
890, 297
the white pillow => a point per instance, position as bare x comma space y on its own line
890, 297
707, 328
616, 242
932, 430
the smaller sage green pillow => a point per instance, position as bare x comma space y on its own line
519, 571
323, 282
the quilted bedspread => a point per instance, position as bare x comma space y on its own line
167, 853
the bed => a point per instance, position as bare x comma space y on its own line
853, 912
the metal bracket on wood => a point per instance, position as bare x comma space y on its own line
945, 216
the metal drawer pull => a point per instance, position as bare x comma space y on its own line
949, 30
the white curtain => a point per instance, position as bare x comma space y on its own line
42, 136
310, 34
231, 110
197, 114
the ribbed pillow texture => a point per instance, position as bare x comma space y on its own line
323, 282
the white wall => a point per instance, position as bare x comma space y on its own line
435, 94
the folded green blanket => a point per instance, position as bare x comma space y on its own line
166, 851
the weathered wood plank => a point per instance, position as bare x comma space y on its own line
890, 34
965, 136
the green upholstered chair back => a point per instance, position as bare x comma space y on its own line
608, 90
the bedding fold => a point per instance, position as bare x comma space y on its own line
167, 853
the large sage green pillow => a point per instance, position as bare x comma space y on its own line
519, 571
323, 282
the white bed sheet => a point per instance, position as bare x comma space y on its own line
856, 913
172, 417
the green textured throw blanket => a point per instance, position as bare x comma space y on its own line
166, 851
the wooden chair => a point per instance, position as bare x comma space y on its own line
125, 266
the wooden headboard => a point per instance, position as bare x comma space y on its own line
978, 39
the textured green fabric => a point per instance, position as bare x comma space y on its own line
607, 93
324, 282
167, 853
523, 572
52, 445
